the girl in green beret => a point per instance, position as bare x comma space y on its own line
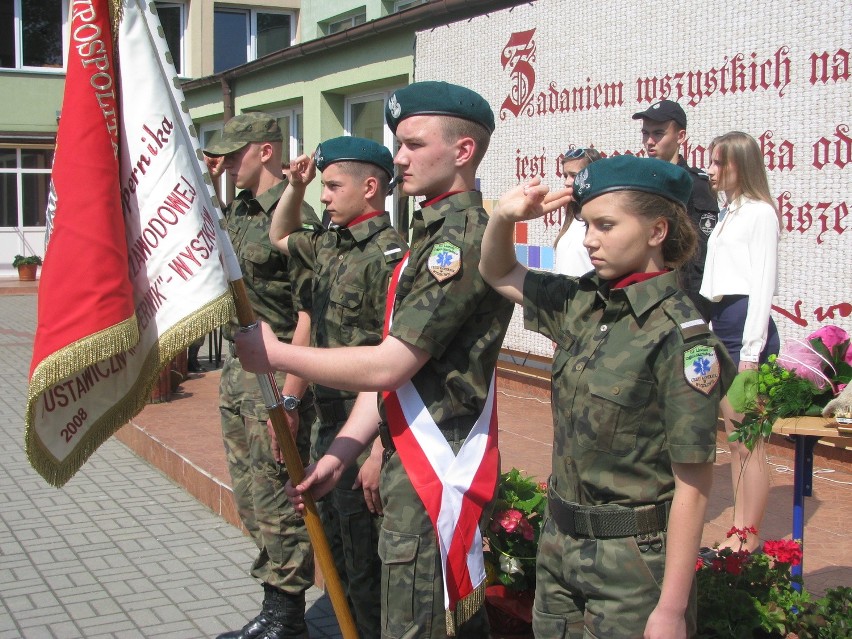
636, 378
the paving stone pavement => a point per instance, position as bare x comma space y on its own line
120, 551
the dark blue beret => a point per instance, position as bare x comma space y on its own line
438, 98
351, 149
629, 173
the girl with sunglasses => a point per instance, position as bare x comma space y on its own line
571, 257
636, 380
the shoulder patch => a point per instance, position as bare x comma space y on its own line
701, 368
444, 261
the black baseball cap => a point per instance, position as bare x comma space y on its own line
663, 111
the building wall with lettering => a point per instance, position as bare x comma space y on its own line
562, 73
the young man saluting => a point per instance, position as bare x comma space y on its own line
443, 338
353, 261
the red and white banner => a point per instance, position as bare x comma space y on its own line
454, 488
132, 272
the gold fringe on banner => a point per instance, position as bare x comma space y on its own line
116, 14
465, 609
58, 472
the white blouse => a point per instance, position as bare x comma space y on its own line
571, 257
742, 259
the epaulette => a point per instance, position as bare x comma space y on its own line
393, 253
690, 327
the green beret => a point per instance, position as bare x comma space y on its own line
351, 149
243, 129
438, 98
629, 173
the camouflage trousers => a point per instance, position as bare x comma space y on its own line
596, 588
353, 536
412, 579
285, 558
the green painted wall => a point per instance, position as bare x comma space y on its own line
319, 83
31, 102
317, 12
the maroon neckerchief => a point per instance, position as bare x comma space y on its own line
434, 200
633, 278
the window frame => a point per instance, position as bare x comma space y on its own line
351, 19
181, 70
251, 13
389, 139
19, 171
18, 33
402, 5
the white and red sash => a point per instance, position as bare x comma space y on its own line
453, 488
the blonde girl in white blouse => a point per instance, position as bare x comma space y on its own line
740, 277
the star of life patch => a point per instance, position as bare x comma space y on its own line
701, 368
444, 261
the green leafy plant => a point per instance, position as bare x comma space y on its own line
20, 260
798, 383
742, 595
829, 617
512, 534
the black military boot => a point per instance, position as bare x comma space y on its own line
254, 629
288, 620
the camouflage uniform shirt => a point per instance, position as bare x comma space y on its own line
269, 278
623, 405
352, 267
460, 321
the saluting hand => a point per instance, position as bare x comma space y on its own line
302, 171
531, 200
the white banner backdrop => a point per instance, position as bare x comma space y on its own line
572, 73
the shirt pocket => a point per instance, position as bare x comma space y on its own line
615, 413
256, 259
346, 306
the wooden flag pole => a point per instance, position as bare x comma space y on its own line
296, 471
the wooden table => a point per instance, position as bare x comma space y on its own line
806, 432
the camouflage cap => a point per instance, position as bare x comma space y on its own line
243, 129
438, 98
629, 173
351, 149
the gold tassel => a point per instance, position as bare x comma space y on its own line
57, 473
465, 609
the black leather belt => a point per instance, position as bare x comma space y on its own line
609, 521
333, 410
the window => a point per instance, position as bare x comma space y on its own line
24, 185
402, 5
31, 34
174, 22
240, 36
346, 23
292, 128
364, 117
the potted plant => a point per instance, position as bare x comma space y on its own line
511, 541
742, 595
27, 266
799, 382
